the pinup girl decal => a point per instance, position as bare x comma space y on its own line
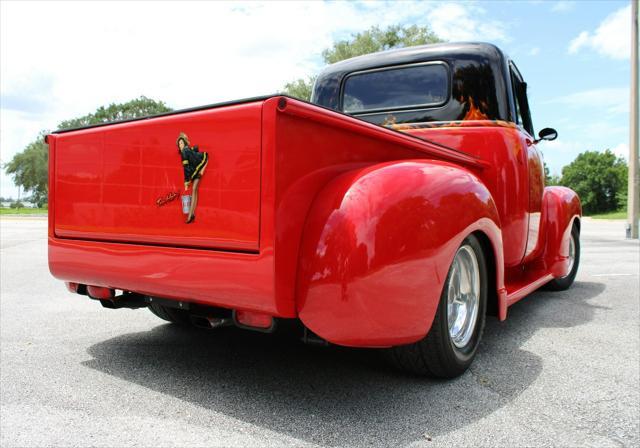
193, 163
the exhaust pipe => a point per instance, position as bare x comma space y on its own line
210, 322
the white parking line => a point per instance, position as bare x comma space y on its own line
614, 275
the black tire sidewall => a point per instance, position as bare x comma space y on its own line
464, 356
570, 277
564, 283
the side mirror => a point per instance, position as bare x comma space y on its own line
547, 134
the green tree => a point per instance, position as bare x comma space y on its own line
375, 39
139, 107
370, 41
599, 178
300, 88
29, 167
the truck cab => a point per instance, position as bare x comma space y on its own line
441, 93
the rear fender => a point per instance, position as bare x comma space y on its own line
562, 208
377, 247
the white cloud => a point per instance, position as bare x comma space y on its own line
613, 100
563, 6
534, 51
78, 56
621, 150
457, 22
567, 146
612, 38
578, 42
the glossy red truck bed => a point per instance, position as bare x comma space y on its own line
269, 159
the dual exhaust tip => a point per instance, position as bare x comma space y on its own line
247, 320
250, 320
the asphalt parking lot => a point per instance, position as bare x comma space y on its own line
562, 370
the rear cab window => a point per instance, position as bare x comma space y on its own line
406, 87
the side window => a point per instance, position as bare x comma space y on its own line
515, 100
523, 115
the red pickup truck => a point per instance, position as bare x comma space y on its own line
396, 210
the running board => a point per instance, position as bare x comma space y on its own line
519, 290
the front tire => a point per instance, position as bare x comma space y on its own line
564, 283
451, 344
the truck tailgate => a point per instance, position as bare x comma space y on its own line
123, 182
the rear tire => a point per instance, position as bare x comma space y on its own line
564, 283
447, 350
180, 317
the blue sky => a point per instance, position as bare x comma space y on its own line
580, 91
81, 55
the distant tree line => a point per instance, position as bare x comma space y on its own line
370, 41
29, 167
599, 178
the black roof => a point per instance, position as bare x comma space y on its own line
479, 66
418, 53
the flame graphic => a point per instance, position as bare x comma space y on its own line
474, 113
452, 124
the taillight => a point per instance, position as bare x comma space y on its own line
253, 320
99, 292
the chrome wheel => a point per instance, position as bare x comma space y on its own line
572, 254
463, 296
